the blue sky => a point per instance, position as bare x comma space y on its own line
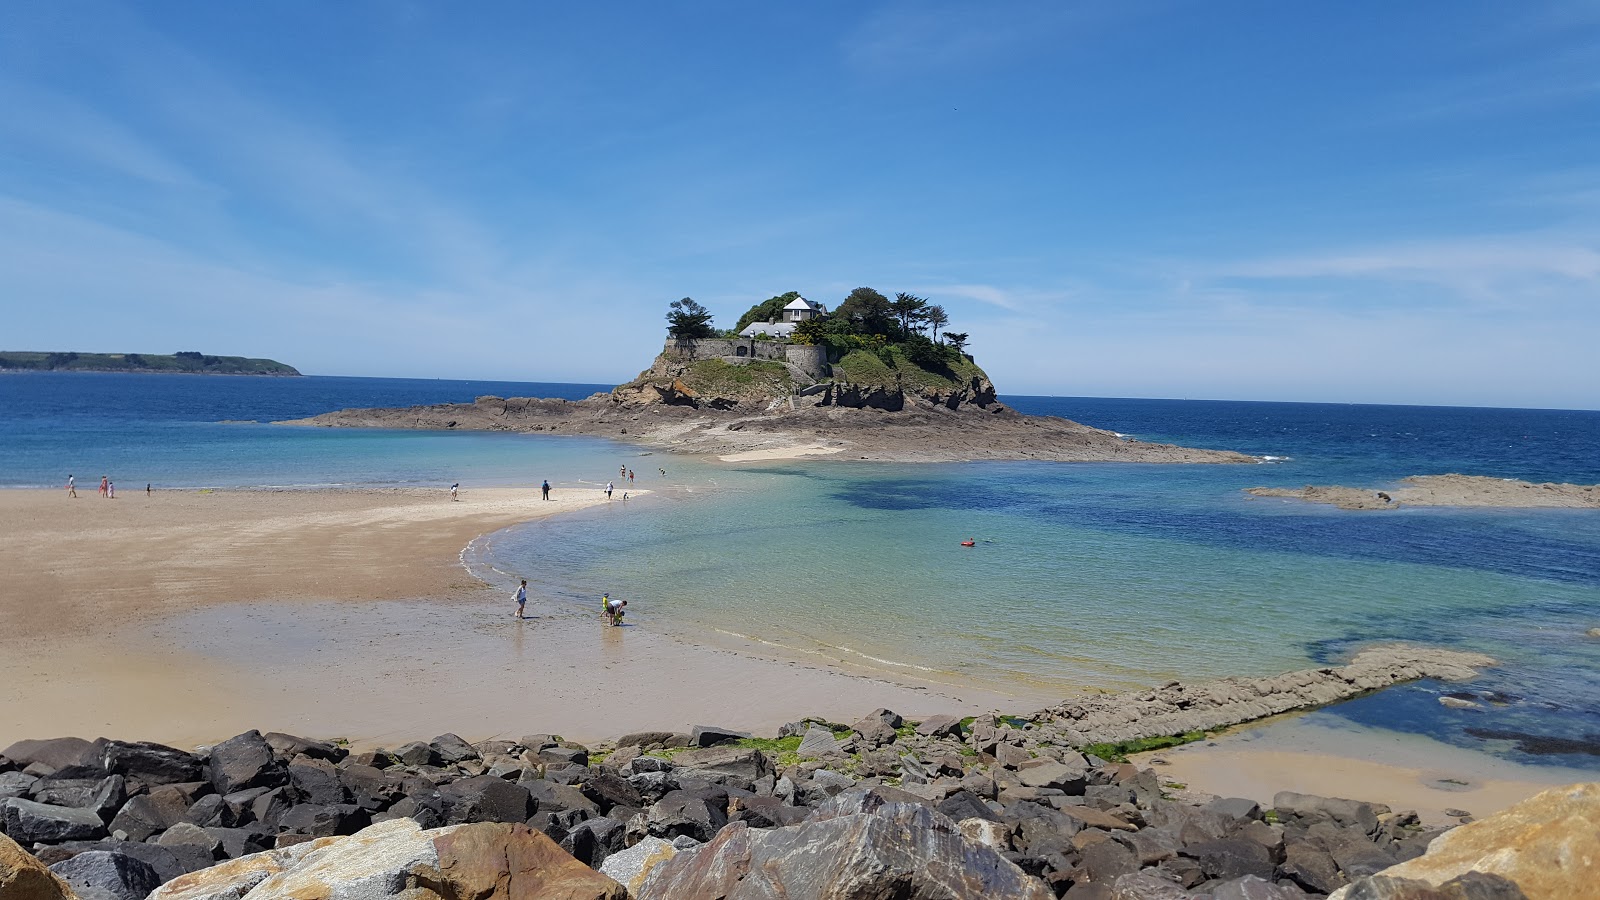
1356, 201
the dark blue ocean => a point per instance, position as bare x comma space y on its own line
1105, 575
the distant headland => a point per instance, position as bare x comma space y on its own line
186, 362
876, 379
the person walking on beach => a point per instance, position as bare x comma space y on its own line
545, 488
453, 488
521, 597
72, 487
104, 483
111, 489
608, 490
147, 488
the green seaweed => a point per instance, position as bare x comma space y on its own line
1120, 751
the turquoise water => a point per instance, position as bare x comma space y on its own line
1100, 575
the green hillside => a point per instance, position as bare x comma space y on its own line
185, 362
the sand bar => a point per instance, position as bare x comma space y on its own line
1322, 754
1446, 490
186, 617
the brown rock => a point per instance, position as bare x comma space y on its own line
1548, 844
499, 861
24, 878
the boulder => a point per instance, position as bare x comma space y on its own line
494, 861
1139, 886
150, 814
629, 867
940, 726
645, 739
288, 746
318, 820
103, 795
1311, 867
28, 822
698, 814
1071, 778
452, 749
244, 761
1231, 857
368, 787
592, 840
117, 874
56, 753
17, 784
231, 880
417, 753
877, 727
1251, 887
238, 843
22, 877
818, 741
711, 735
185, 834
1470, 886
316, 781
1547, 844
740, 762
906, 851
564, 756
169, 862
147, 763
1106, 861
485, 798
1308, 809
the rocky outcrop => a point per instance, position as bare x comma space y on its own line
1548, 845
1208, 706
1447, 490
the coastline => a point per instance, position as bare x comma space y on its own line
348, 613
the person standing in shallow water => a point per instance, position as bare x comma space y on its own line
608, 490
521, 597
545, 488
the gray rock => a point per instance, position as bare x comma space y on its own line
117, 874
1470, 886
1311, 867
417, 753
592, 840
645, 739
485, 798
322, 821
147, 763
564, 756
698, 814
453, 749
16, 784
1235, 807
877, 728
237, 842
1230, 857
940, 726
1251, 887
1061, 776
317, 781
906, 851
625, 866
55, 753
288, 746
27, 822
711, 735
149, 814
1308, 809
740, 762
1146, 887
244, 761
185, 834
608, 790
642, 764
818, 742
1108, 861
102, 795
825, 783
269, 807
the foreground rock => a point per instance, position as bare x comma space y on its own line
1548, 845
1447, 490
22, 877
488, 861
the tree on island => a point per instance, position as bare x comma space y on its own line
688, 320
957, 339
910, 310
936, 319
866, 311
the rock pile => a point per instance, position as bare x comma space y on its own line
944, 808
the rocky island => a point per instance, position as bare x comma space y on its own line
1447, 490
186, 362
862, 383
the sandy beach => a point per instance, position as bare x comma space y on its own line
187, 617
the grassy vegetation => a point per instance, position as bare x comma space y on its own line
1121, 750
186, 362
863, 367
866, 367
715, 377
785, 751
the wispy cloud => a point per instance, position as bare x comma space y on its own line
909, 36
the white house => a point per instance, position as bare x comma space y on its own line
798, 310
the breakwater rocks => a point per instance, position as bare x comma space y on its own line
943, 808
1178, 708
1447, 490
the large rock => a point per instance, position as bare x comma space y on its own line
1548, 844
28, 822
485, 861
1069, 777
485, 798
697, 814
630, 867
819, 741
1308, 809
17, 784
244, 761
103, 795
56, 753
1471, 886
905, 851
317, 781
288, 746
877, 727
711, 735
22, 877
117, 874
148, 763
739, 762
150, 814
453, 748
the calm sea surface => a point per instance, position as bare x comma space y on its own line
1097, 574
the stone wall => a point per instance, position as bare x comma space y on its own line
809, 361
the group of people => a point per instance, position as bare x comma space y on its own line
613, 610
108, 488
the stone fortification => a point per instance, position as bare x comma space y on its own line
807, 362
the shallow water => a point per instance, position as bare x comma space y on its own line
1083, 575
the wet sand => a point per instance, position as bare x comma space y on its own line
186, 617
1322, 754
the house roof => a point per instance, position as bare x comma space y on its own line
775, 329
803, 303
